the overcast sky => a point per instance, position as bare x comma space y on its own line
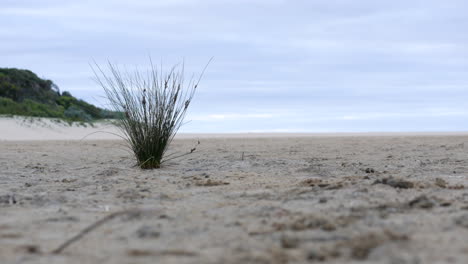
279, 65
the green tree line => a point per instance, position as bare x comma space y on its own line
22, 92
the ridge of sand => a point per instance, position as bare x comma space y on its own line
18, 128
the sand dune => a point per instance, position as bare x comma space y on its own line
34, 128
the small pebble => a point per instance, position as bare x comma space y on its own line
462, 221
422, 202
147, 232
289, 242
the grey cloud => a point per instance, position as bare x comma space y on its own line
299, 58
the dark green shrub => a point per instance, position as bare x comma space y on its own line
29, 108
41, 110
8, 89
67, 100
8, 106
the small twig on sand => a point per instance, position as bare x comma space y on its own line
171, 156
93, 226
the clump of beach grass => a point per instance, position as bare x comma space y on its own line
154, 104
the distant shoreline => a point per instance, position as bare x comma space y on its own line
317, 134
19, 128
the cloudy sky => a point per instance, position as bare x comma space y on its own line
279, 65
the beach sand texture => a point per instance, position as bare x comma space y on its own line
379, 199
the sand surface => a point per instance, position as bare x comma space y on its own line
361, 199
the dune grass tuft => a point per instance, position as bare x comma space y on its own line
154, 104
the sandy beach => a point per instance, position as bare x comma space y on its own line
360, 198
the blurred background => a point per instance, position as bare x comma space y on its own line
279, 66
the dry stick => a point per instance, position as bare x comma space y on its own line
92, 227
171, 156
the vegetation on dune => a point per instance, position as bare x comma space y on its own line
20, 85
154, 106
22, 92
29, 108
